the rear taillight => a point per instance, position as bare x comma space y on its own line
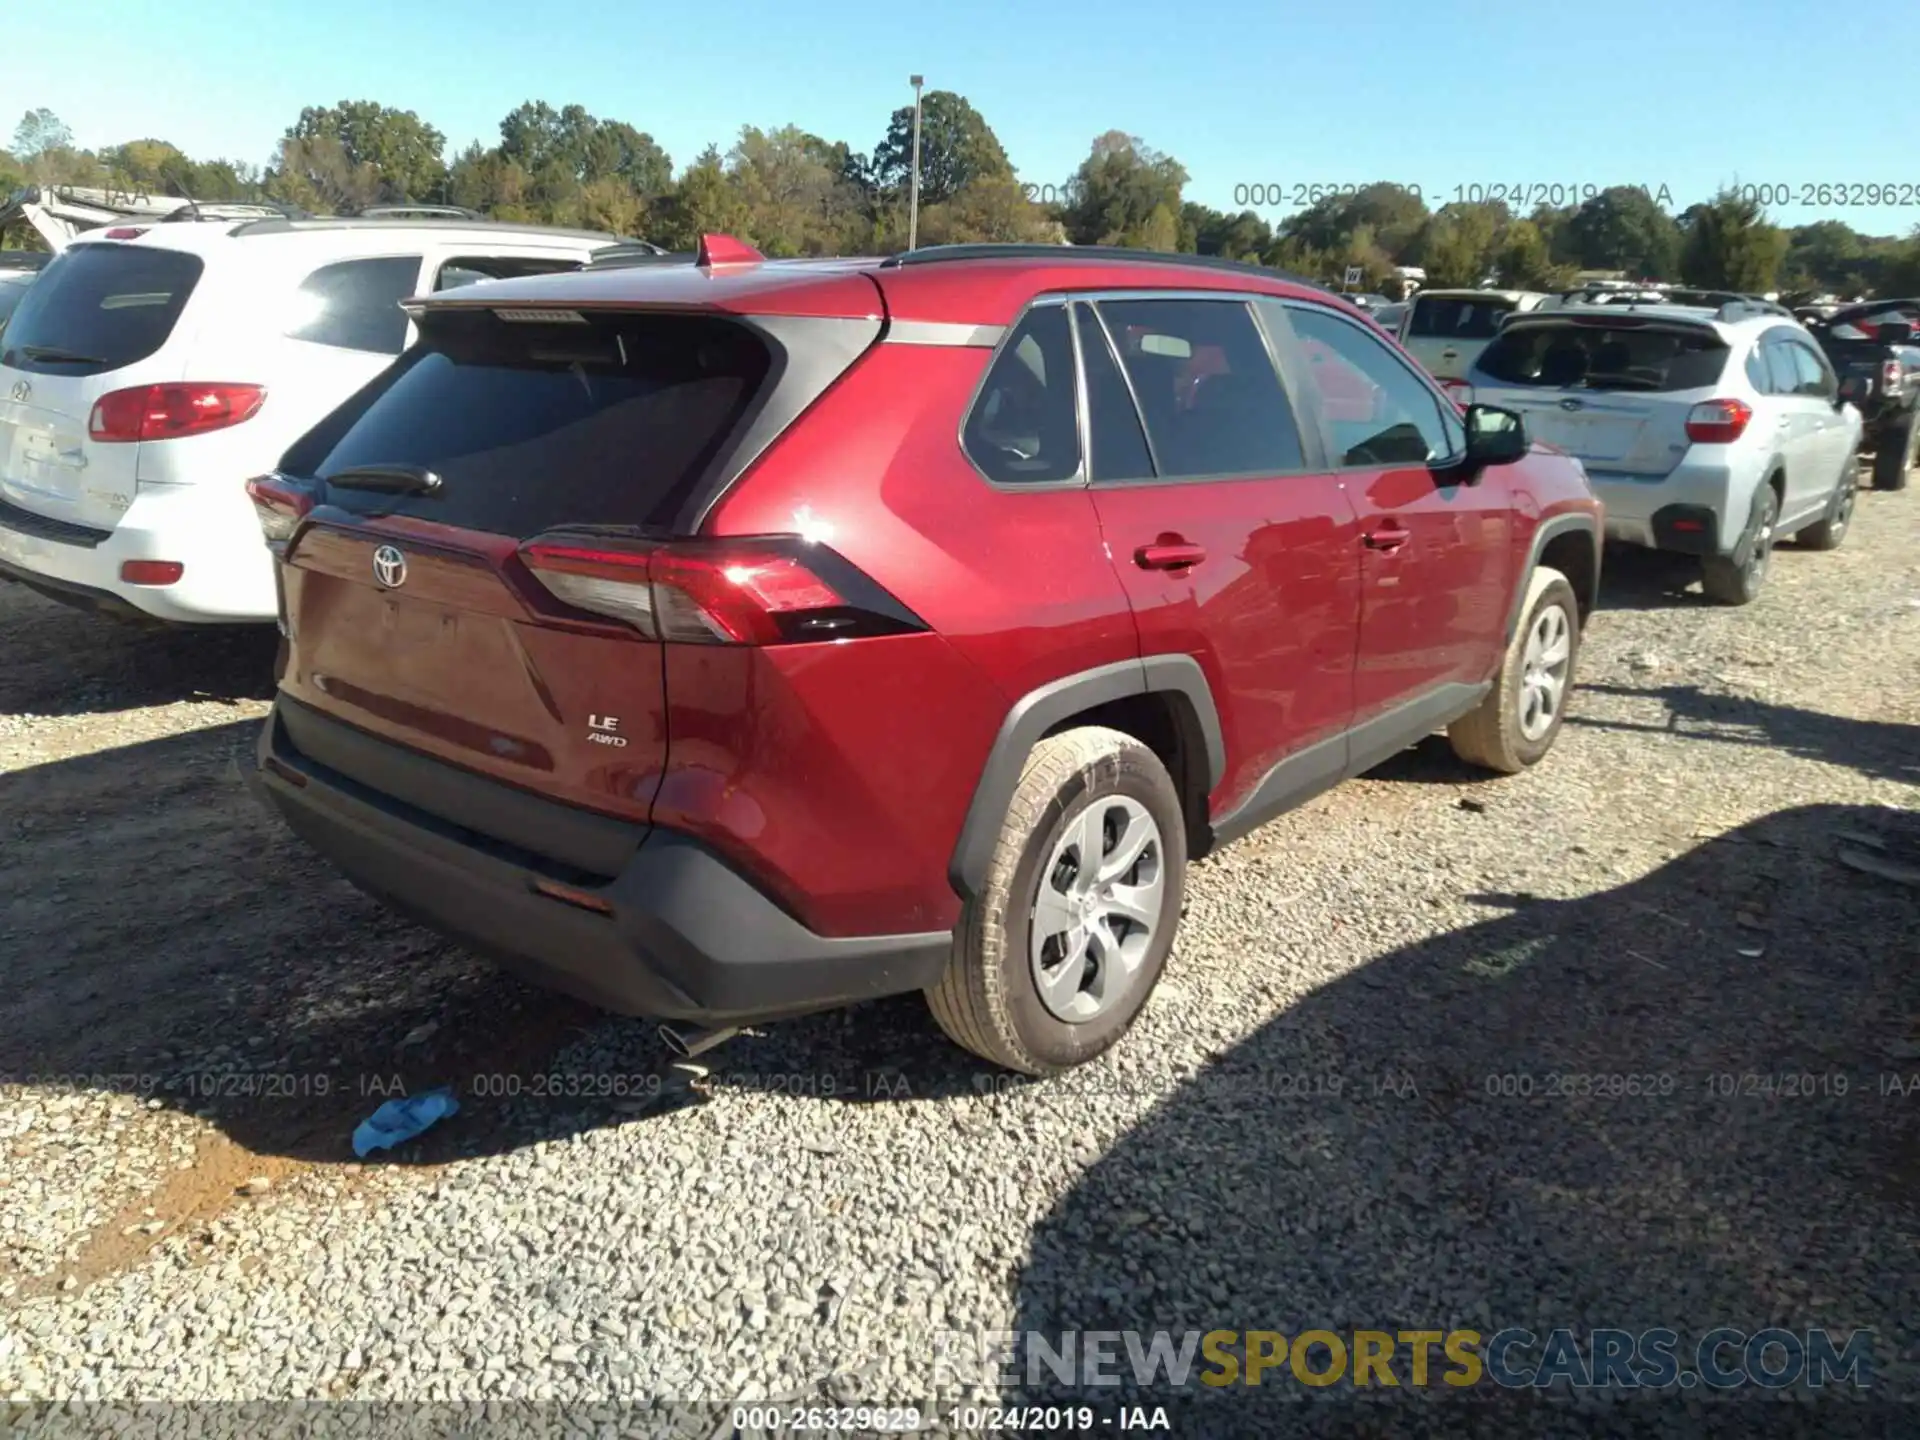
280, 504
168, 412
774, 590
1718, 422
1889, 374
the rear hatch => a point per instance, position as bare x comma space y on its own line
1445, 332
1613, 390
98, 314
473, 580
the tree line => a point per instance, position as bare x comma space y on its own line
790, 192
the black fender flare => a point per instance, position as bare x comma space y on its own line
1544, 532
1041, 710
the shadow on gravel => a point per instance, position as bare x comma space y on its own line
1878, 749
63, 661
1635, 578
1624, 1110
168, 938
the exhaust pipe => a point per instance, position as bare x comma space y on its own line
687, 1044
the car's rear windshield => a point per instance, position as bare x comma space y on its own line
1602, 356
610, 420
99, 307
1458, 318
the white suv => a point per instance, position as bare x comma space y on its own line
1706, 432
151, 370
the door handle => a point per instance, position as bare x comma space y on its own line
1169, 555
1387, 537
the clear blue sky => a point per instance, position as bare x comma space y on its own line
1688, 94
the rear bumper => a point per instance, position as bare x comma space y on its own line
682, 936
1641, 510
208, 527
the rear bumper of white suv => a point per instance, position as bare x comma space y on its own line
208, 529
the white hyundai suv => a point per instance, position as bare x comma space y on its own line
151, 370
1705, 432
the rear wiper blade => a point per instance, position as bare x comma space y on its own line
59, 356
390, 479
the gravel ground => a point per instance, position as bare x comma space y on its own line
1305, 1130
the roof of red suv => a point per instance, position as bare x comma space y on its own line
969, 284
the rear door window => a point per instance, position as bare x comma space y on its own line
1605, 355
1024, 427
1206, 387
100, 306
1783, 376
1810, 371
1442, 318
355, 304
535, 425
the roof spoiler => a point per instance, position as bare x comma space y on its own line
720, 250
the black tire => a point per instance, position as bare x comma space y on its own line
1736, 579
1830, 530
1894, 453
1493, 736
989, 999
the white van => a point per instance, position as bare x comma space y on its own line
151, 370
1445, 330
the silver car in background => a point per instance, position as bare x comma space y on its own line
1446, 329
1705, 432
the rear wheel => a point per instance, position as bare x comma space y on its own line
1056, 956
1831, 528
1516, 724
1894, 454
1736, 579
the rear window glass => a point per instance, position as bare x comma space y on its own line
532, 426
99, 307
1604, 357
1461, 319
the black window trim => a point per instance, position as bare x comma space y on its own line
1086, 396
1444, 407
409, 337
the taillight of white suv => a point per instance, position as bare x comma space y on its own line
1718, 422
171, 412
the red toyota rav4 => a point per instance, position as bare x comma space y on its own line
728, 639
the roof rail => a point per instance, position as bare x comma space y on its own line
417, 212
991, 250
625, 253
229, 210
286, 225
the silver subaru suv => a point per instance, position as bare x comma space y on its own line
1705, 432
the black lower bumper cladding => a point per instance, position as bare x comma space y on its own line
676, 934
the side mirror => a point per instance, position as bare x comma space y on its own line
1894, 332
1494, 436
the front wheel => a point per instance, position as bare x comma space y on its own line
1055, 958
1736, 579
1516, 724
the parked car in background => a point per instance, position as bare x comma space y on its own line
725, 719
13, 289
1445, 329
150, 370
1872, 348
1708, 433
1368, 303
1389, 316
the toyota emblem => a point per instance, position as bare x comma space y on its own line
389, 566
22, 390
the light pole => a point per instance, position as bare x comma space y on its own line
913, 202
